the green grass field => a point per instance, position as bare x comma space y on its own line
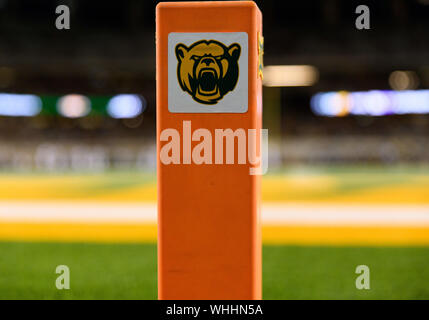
128, 271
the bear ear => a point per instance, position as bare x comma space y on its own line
181, 49
234, 50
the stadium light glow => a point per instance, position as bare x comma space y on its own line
371, 103
19, 105
290, 76
74, 106
125, 106
403, 80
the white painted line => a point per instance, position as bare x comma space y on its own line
348, 214
77, 212
272, 214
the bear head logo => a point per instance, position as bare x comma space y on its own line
207, 70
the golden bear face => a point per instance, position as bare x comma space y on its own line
207, 70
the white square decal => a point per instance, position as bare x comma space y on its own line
208, 72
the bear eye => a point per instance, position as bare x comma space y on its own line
196, 58
218, 57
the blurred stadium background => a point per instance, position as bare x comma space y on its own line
347, 113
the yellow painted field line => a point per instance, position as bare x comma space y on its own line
346, 235
147, 233
75, 232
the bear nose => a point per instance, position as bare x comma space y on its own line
207, 61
